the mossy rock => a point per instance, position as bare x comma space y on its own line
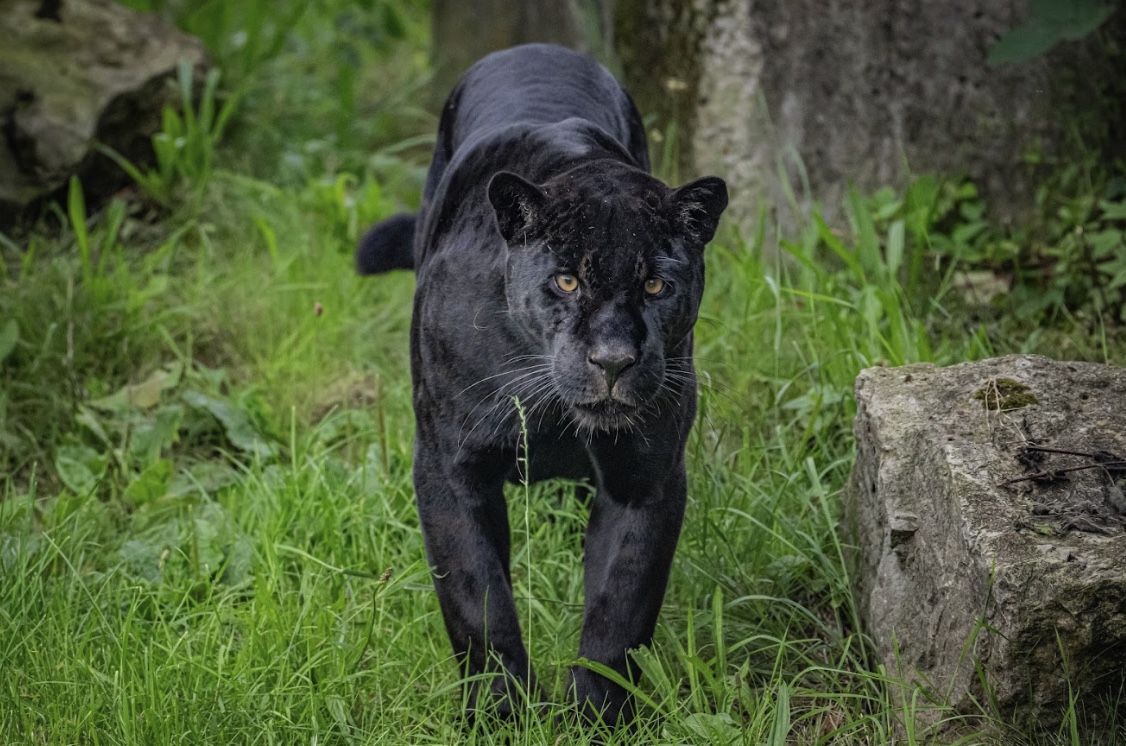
76, 72
1004, 395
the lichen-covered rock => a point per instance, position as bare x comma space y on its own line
987, 513
76, 71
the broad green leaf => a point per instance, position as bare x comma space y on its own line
1107, 244
142, 559
240, 561
91, 422
236, 423
714, 728
205, 477
1072, 19
152, 436
143, 395
151, 484
1119, 278
1049, 22
208, 543
1022, 43
1113, 210
143, 555
79, 468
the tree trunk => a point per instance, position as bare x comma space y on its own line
464, 32
864, 92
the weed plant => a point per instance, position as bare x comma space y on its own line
207, 529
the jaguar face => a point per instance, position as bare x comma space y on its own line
604, 275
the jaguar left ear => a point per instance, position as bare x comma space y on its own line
696, 207
516, 202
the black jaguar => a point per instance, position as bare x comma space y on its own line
558, 284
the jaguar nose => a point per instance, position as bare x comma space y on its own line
612, 361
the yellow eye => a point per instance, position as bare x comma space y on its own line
654, 285
567, 283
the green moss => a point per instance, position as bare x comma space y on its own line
1005, 394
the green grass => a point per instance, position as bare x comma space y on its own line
207, 529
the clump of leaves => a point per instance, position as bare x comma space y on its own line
185, 147
161, 451
136, 431
76, 312
1071, 260
1080, 263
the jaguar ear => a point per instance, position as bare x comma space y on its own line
516, 202
696, 207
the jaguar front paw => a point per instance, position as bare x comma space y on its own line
599, 699
502, 696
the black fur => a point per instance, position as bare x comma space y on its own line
541, 171
388, 245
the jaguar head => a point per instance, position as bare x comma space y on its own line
604, 275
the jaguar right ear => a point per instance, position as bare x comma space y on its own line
516, 203
696, 207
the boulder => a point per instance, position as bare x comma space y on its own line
988, 525
73, 72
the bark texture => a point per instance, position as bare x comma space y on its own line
956, 565
865, 92
464, 32
73, 72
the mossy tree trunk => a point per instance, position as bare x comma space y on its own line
864, 92
463, 32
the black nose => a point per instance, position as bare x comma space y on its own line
612, 361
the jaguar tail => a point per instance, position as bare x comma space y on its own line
388, 245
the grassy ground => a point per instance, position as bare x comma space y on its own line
207, 530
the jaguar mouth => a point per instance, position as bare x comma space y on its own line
605, 414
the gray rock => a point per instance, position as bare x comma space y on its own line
76, 71
957, 564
